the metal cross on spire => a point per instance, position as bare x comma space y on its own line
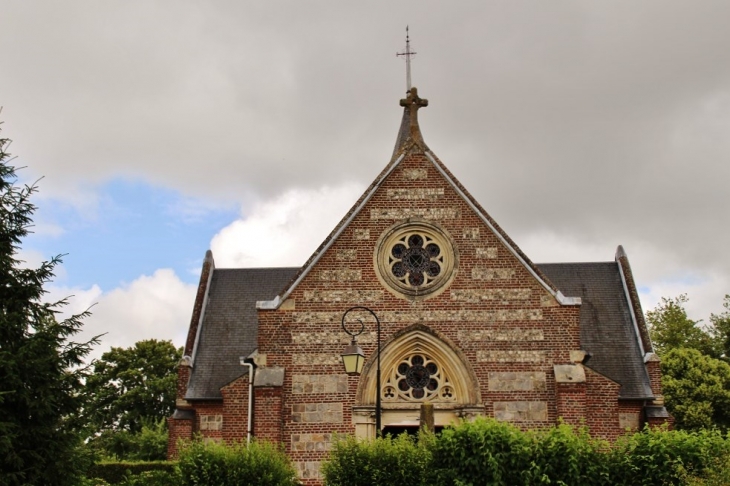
408, 55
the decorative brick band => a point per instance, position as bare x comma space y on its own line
361, 234
478, 295
517, 381
490, 252
628, 420
211, 422
319, 384
343, 295
416, 193
512, 356
347, 255
415, 174
311, 442
520, 411
310, 413
307, 469
481, 273
470, 233
344, 275
459, 315
338, 337
513, 334
405, 213
314, 359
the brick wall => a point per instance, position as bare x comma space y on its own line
509, 328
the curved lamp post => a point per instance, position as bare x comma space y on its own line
353, 357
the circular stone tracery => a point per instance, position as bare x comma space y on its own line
415, 259
417, 377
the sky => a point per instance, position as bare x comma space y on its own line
159, 129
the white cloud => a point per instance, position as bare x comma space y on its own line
284, 231
156, 306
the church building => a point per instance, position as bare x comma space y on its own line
465, 323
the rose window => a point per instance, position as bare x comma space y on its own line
417, 377
415, 259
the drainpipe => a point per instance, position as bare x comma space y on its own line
251, 367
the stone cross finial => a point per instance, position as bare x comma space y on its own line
412, 104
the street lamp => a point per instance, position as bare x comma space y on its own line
353, 358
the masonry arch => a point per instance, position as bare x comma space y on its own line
418, 365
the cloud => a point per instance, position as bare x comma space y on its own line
601, 122
156, 306
286, 230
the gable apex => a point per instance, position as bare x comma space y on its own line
410, 141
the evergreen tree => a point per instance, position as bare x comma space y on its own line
41, 370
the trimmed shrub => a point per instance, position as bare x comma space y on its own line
564, 455
482, 452
119, 472
665, 457
402, 460
260, 464
487, 452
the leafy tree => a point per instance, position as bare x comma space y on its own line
696, 389
41, 370
132, 392
671, 328
721, 329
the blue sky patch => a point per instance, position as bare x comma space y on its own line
135, 229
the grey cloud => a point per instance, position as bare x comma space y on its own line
604, 122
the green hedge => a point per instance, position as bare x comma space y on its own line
260, 464
487, 452
399, 461
120, 472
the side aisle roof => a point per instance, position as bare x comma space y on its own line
230, 326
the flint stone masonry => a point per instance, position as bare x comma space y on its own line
490, 252
338, 337
405, 213
211, 422
520, 411
313, 359
517, 381
459, 315
481, 273
319, 384
628, 420
311, 442
317, 413
470, 233
345, 275
417, 193
512, 356
343, 295
361, 234
346, 255
478, 295
307, 469
415, 174
513, 334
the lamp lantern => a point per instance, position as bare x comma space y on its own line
353, 358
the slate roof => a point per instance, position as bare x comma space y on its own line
606, 328
230, 327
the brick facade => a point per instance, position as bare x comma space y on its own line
506, 330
